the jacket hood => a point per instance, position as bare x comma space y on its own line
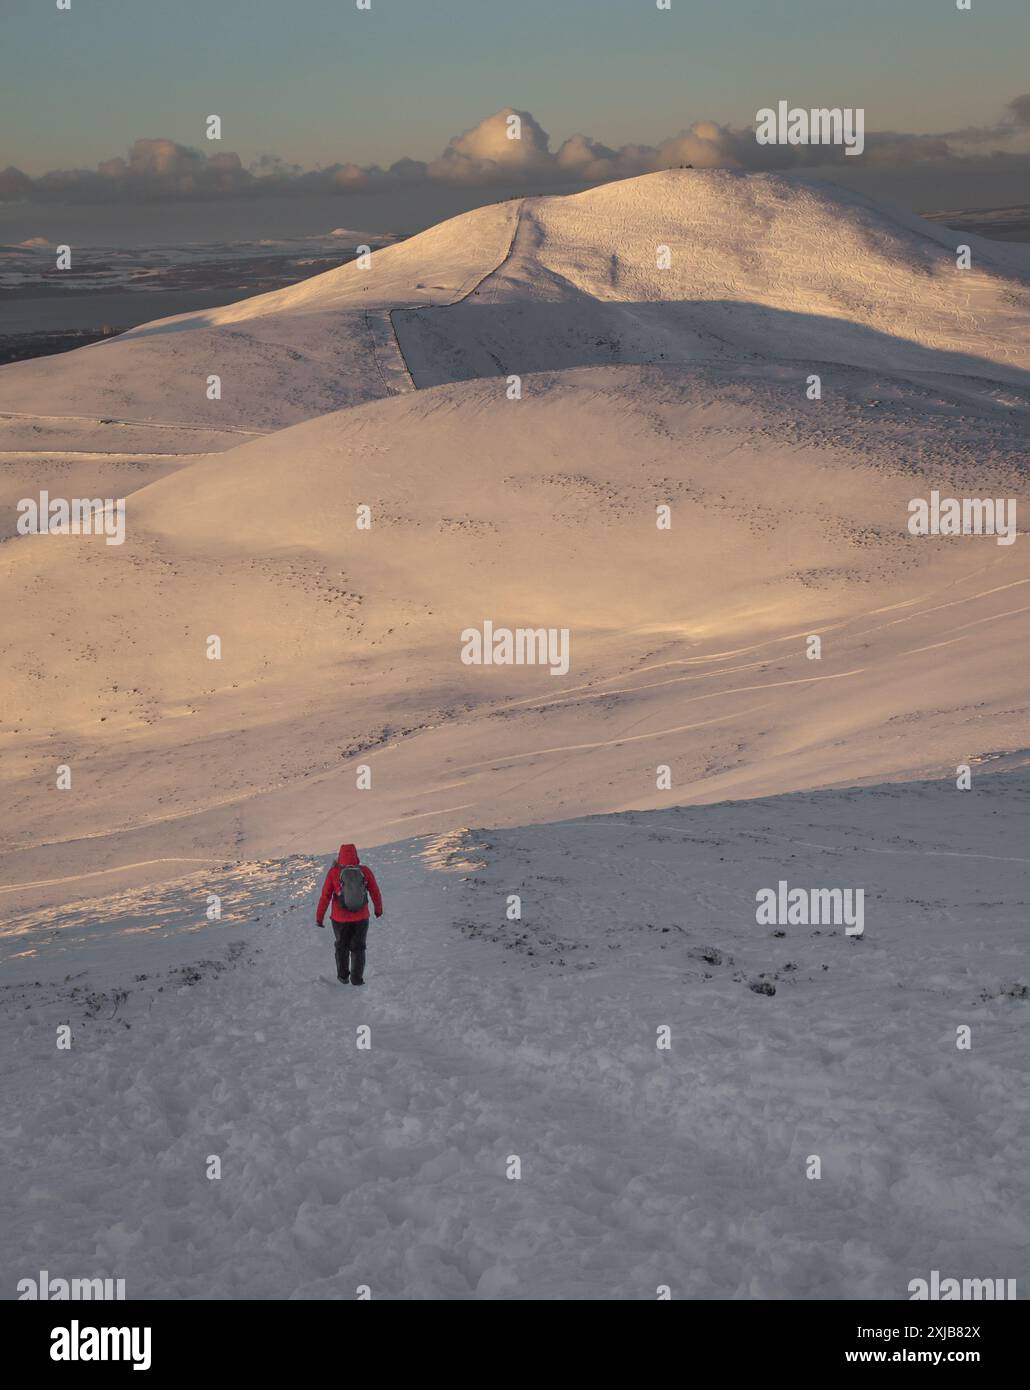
348, 855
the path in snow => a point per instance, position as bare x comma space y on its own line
536, 1038
142, 424
387, 351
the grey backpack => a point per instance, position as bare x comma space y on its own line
353, 894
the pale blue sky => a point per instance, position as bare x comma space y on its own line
317, 81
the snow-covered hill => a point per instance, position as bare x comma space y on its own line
782, 684
760, 268
281, 357
721, 267
537, 1038
340, 648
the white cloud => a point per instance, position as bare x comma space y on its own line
486, 154
489, 152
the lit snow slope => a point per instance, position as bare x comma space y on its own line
281, 357
723, 267
701, 746
689, 646
758, 268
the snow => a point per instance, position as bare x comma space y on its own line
282, 357
759, 268
489, 1038
386, 387
323, 625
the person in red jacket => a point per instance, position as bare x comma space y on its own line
350, 923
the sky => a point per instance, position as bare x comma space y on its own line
320, 83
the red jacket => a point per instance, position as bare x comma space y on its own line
331, 886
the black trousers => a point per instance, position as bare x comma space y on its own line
350, 939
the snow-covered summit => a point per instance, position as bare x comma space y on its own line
679, 266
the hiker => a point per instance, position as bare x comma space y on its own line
349, 884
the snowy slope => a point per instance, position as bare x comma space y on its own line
757, 268
761, 268
282, 357
340, 648
537, 1038
689, 651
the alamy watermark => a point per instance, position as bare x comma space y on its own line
79, 1343
963, 516
934, 1288
811, 907
46, 1289
822, 125
520, 646
75, 516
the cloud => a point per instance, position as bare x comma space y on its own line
509, 148
14, 185
1020, 108
506, 143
